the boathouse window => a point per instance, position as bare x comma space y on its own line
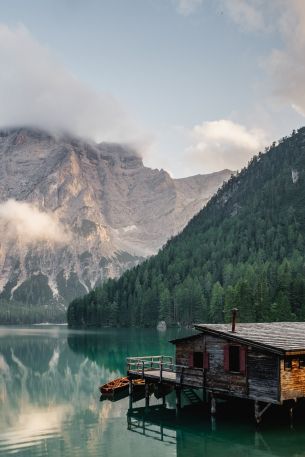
235, 359
198, 359
302, 361
288, 364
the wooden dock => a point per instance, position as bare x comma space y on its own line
161, 369
165, 375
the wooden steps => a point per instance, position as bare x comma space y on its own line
192, 396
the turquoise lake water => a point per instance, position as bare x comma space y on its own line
50, 403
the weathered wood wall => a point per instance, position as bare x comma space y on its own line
184, 348
263, 376
191, 376
292, 382
216, 376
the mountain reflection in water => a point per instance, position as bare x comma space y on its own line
49, 403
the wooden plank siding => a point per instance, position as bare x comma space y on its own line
187, 346
292, 381
217, 378
190, 376
263, 376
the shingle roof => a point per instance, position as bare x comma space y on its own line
278, 337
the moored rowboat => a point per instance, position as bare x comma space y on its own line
117, 385
120, 385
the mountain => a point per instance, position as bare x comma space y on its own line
73, 213
245, 249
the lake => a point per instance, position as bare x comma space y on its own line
50, 403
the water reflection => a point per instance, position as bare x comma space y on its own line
193, 434
49, 403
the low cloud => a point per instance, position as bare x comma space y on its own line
224, 144
37, 90
21, 220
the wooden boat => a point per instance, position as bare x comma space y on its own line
120, 385
117, 385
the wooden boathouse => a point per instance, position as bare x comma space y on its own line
262, 362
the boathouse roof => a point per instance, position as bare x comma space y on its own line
285, 338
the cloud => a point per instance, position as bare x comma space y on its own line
24, 221
286, 65
37, 90
246, 13
186, 7
224, 144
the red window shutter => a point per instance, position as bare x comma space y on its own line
206, 360
191, 360
242, 360
226, 361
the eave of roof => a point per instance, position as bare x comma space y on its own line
191, 337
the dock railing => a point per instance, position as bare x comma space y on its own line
162, 364
150, 363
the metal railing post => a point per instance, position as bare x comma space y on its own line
142, 369
161, 371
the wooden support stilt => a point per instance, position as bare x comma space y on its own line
146, 395
130, 392
256, 412
291, 411
128, 422
143, 426
291, 417
205, 396
178, 398
163, 400
213, 423
259, 413
213, 405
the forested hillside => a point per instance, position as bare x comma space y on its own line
245, 249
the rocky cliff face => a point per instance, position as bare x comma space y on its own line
106, 209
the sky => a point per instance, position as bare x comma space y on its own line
195, 86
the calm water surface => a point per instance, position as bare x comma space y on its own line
49, 403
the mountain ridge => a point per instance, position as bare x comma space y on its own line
116, 210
